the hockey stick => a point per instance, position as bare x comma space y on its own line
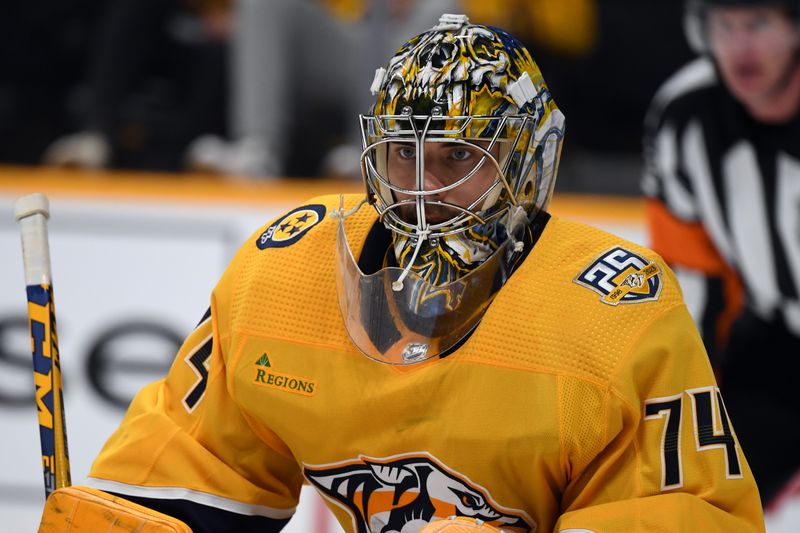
31, 213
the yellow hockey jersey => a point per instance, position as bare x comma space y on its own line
582, 401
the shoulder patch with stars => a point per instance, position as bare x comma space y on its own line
621, 276
291, 227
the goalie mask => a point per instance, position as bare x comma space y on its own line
460, 154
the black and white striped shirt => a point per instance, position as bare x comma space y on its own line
708, 162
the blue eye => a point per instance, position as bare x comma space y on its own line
461, 154
407, 152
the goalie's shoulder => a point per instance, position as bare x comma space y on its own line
299, 228
592, 266
583, 298
287, 265
310, 218
300, 244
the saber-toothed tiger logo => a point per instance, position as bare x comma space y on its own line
402, 493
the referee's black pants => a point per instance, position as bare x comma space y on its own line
760, 373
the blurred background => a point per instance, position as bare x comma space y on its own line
166, 131
271, 88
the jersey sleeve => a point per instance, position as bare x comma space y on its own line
663, 455
185, 448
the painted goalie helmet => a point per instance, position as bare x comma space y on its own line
460, 153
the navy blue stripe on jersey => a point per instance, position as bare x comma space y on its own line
198, 361
206, 316
204, 519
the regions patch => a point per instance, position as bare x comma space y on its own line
291, 227
620, 276
266, 377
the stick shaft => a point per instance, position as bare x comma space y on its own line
44, 346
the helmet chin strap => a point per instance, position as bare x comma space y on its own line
422, 235
517, 217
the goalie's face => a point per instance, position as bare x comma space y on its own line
453, 175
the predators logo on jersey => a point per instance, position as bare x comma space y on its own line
405, 492
291, 227
621, 276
